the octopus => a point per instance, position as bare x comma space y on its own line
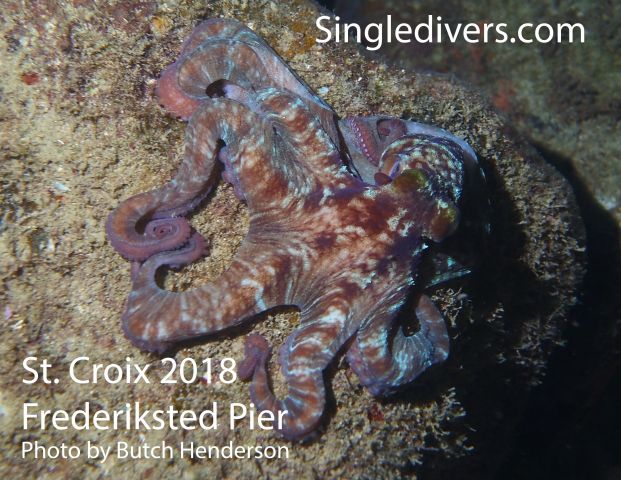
341, 212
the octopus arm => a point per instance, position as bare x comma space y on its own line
155, 318
226, 50
384, 362
306, 353
221, 120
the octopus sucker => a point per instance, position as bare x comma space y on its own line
341, 213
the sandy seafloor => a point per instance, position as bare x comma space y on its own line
80, 131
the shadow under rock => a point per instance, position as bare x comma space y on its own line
492, 387
573, 419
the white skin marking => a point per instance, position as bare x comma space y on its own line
162, 331
301, 371
393, 222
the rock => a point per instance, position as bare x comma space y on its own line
95, 93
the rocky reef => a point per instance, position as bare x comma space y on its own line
78, 119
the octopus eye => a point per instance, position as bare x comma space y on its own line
411, 180
444, 222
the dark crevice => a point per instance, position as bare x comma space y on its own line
573, 419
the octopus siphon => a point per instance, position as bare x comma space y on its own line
341, 214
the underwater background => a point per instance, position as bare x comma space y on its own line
532, 385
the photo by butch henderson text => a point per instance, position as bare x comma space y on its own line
132, 416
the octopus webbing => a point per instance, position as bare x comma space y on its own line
341, 213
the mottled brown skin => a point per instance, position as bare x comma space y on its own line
340, 248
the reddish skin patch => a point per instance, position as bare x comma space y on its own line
30, 78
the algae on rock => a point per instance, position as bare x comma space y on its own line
82, 131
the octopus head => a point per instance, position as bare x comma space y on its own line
366, 138
439, 160
428, 171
